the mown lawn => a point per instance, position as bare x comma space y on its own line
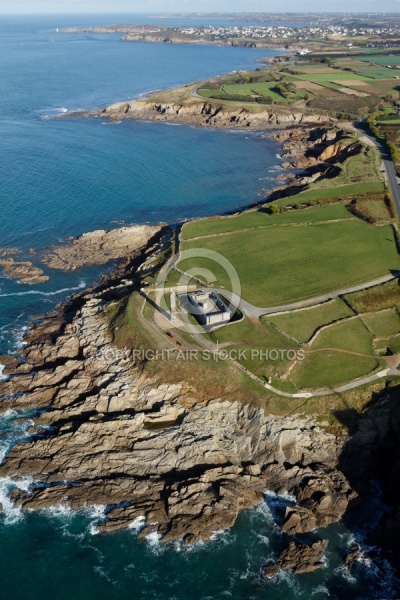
256, 339
330, 368
350, 335
279, 265
383, 324
248, 89
302, 324
330, 362
261, 218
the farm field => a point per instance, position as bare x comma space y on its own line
248, 89
350, 335
338, 191
331, 368
383, 324
389, 121
339, 84
251, 337
279, 265
381, 59
261, 218
330, 75
339, 353
302, 324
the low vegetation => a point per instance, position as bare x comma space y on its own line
297, 261
376, 298
384, 323
303, 324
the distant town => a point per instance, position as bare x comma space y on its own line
290, 33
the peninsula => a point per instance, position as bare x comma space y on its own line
301, 394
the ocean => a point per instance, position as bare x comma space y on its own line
62, 177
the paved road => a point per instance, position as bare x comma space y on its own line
253, 312
394, 186
388, 164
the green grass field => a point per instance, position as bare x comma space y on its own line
350, 335
375, 73
391, 343
332, 368
254, 337
278, 265
330, 75
259, 218
330, 360
383, 60
343, 191
302, 324
263, 89
389, 122
383, 324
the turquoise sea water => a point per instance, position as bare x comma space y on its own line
64, 177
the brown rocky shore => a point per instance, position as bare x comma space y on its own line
109, 434
195, 111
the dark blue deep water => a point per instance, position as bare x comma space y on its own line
64, 177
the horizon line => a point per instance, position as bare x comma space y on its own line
180, 14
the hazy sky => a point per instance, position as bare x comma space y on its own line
143, 6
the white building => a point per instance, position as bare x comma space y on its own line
209, 309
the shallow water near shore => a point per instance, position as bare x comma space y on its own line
65, 177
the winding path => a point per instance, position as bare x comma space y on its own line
253, 312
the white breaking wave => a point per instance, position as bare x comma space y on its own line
48, 113
39, 293
153, 540
12, 514
321, 589
138, 524
2, 377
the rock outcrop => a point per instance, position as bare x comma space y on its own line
372, 455
208, 114
300, 558
112, 435
23, 272
100, 247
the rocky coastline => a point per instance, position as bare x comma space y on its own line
152, 453
110, 435
168, 35
204, 113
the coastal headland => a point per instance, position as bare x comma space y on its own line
181, 446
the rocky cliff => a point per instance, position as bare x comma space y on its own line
112, 435
209, 114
